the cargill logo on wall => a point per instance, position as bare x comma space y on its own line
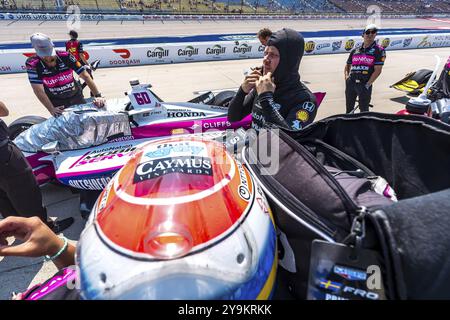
158, 52
216, 50
189, 51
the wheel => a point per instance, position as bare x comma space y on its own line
224, 98
20, 125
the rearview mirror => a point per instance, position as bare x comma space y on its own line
51, 148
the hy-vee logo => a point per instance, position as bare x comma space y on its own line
185, 114
188, 51
158, 53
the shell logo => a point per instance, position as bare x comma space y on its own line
302, 116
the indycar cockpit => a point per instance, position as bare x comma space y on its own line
81, 127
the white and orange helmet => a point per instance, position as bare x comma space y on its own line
181, 220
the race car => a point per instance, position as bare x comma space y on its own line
85, 146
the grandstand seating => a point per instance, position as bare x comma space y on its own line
232, 6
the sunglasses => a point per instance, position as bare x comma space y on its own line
371, 32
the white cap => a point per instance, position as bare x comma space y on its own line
43, 45
371, 26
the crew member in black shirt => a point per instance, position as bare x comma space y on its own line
362, 69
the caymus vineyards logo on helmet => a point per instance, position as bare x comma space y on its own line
160, 167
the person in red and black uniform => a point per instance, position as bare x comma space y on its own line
75, 48
363, 67
19, 192
51, 76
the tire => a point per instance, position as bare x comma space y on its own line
20, 125
224, 98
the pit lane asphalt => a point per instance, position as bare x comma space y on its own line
177, 83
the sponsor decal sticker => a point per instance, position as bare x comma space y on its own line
407, 42
159, 167
261, 48
424, 43
350, 273
349, 44
396, 43
158, 52
2, 17
243, 189
242, 49
310, 46
184, 114
5, 68
216, 50
330, 285
189, 51
308, 106
104, 155
181, 148
385, 43
90, 184
323, 46
337, 45
123, 53
302, 115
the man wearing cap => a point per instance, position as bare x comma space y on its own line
363, 67
19, 192
51, 76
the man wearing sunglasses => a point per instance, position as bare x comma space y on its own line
51, 76
363, 67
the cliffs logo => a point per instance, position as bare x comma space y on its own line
189, 51
123, 53
349, 44
407, 42
158, 52
216, 50
310, 46
242, 49
385, 43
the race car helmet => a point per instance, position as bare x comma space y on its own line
181, 220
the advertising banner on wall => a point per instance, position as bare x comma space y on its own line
12, 61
